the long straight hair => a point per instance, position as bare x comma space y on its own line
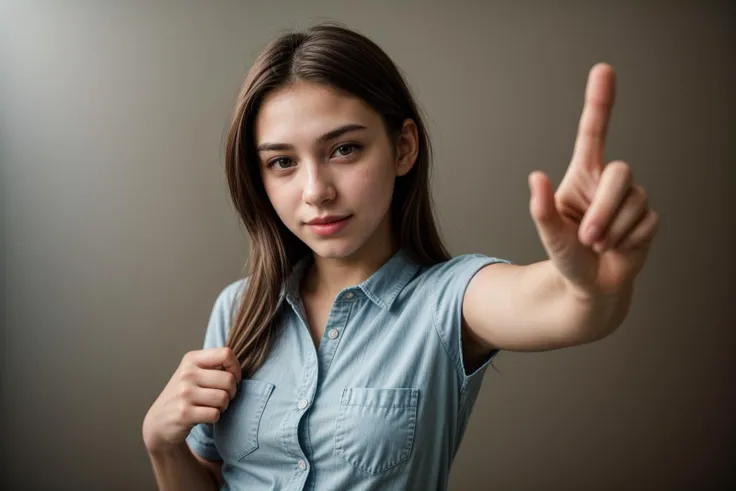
337, 57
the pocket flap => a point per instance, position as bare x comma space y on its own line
367, 397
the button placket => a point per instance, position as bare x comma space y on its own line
295, 438
335, 330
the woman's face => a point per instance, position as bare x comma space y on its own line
328, 167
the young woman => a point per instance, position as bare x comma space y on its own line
352, 354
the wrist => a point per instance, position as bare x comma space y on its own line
165, 449
598, 313
155, 445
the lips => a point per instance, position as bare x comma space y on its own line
326, 220
329, 225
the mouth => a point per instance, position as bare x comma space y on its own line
329, 225
326, 220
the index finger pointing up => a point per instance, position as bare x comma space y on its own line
600, 93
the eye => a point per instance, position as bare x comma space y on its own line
346, 149
280, 162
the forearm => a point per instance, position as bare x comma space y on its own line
533, 308
177, 469
545, 301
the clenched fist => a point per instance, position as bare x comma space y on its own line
201, 387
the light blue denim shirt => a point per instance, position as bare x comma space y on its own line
382, 404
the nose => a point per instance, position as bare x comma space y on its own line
319, 187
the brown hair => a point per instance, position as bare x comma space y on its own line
333, 55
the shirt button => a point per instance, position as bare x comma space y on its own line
333, 333
302, 465
302, 403
349, 295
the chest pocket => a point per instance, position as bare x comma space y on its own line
375, 427
236, 432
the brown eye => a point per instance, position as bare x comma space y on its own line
281, 163
345, 150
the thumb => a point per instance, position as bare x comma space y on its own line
556, 234
559, 236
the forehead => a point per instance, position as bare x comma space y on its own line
303, 111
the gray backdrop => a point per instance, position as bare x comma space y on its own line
117, 232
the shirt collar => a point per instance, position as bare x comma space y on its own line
382, 287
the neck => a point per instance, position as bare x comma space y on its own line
327, 276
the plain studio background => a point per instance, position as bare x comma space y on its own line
117, 232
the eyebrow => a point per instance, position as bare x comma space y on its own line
330, 135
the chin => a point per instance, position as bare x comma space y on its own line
334, 249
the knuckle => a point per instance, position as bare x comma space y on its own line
187, 374
183, 412
226, 352
185, 391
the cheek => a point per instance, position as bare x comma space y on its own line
373, 189
284, 199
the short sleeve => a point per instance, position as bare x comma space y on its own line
450, 280
200, 438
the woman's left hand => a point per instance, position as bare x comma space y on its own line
597, 226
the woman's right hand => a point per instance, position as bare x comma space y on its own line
201, 387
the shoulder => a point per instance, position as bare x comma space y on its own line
458, 271
446, 284
448, 281
228, 295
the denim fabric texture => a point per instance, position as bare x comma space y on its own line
382, 404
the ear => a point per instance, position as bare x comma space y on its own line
407, 147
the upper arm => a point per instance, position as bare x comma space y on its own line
487, 290
214, 466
